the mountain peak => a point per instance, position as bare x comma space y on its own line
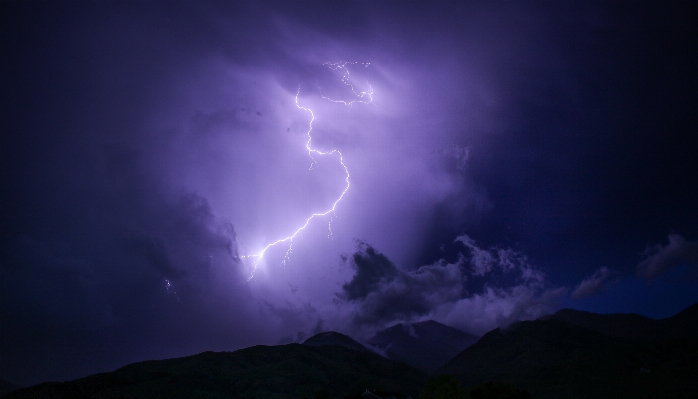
628, 355
281, 371
632, 325
333, 338
426, 345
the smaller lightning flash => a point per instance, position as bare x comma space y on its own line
365, 97
169, 289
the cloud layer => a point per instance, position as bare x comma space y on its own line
595, 283
662, 258
148, 147
481, 290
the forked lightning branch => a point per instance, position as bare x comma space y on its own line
365, 97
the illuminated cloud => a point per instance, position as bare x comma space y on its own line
499, 307
595, 283
662, 258
385, 294
148, 147
510, 289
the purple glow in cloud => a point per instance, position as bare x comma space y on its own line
146, 146
365, 97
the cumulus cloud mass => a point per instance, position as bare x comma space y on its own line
482, 289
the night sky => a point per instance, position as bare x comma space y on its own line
506, 160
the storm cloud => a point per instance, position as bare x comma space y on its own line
384, 293
482, 289
149, 151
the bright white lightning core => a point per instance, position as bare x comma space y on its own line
365, 97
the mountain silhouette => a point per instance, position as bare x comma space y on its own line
425, 345
331, 338
581, 354
570, 354
284, 371
634, 326
7, 387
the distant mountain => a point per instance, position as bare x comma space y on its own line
331, 338
285, 371
426, 345
685, 323
558, 357
570, 354
634, 326
6, 387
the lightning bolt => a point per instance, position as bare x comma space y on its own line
365, 97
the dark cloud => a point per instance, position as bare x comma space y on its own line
513, 289
372, 269
160, 281
387, 294
136, 135
662, 258
595, 283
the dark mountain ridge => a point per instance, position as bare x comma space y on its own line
284, 371
331, 338
7, 387
570, 354
425, 345
634, 326
586, 355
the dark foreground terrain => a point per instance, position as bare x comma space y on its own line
285, 371
570, 354
576, 354
6, 387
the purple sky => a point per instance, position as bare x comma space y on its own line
514, 159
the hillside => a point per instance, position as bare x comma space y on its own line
570, 354
634, 326
620, 325
6, 387
273, 372
426, 345
554, 359
331, 338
